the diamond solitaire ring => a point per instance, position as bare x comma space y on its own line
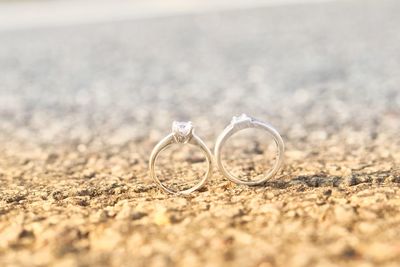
182, 133
243, 122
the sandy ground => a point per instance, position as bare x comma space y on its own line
82, 107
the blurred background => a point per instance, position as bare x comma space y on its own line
71, 70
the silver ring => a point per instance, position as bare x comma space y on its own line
182, 133
243, 122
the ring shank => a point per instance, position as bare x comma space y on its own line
231, 130
164, 144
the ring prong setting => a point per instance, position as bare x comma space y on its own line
243, 118
182, 131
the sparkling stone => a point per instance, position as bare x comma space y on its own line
182, 128
240, 118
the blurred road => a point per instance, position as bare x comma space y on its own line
329, 65
81, 107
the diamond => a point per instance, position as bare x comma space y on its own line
241, 118
182, 128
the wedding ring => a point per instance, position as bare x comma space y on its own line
182, 133
240, 123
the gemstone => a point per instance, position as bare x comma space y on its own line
243, 117
182, 128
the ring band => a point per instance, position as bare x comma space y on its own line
240, 123
182, 133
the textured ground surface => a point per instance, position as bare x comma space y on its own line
82, 107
